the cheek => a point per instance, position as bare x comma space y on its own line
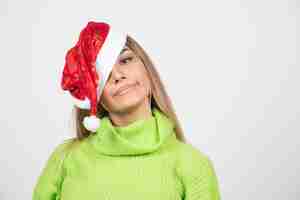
143, 81
138, 72
105, 95
141, 87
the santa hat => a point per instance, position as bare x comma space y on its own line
88, 65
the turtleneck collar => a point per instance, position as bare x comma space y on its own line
139, 137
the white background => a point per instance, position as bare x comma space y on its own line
231, 68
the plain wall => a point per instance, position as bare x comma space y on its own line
231, 68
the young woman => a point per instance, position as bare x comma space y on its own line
138, 152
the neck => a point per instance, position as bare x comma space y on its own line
130, 115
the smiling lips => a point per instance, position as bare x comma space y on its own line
123, 89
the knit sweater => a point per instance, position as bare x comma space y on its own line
142, 160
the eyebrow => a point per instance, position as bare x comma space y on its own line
123, 50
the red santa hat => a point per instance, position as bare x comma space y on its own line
88, 65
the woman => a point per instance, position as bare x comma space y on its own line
138, 152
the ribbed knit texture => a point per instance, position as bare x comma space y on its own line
141, 161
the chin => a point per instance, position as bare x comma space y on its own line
129, 103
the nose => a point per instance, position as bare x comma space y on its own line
117, 75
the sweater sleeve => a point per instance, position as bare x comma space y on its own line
48, 183
198, 176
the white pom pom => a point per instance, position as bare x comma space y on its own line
84, 104
91, 123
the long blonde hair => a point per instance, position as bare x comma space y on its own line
159, 98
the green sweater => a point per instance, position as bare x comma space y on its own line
141, 161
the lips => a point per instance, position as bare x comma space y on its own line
122, 88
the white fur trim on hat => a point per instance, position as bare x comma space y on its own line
84, 104
109, 52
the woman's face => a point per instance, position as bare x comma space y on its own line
128, 72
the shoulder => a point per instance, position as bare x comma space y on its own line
192, 161
63, 149
64, 145
53, 172
189, 152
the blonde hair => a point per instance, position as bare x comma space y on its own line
159, 98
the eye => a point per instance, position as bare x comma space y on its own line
125, 59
